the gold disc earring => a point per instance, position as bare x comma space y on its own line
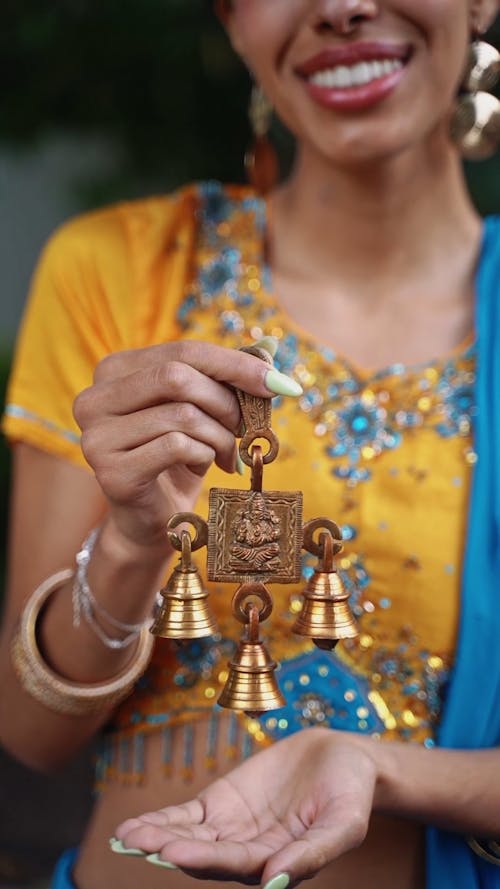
476, 120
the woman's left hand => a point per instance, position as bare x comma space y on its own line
290, 809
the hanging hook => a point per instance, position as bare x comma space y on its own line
200, 526
323, 524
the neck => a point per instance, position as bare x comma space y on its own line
381, 219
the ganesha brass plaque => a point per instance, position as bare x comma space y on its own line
254, 534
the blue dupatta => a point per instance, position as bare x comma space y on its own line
471, 717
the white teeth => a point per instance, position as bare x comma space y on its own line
343, 76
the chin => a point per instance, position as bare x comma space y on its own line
369, 146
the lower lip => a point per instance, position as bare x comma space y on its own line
356, 98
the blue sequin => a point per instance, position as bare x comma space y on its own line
220, 273
215, 206
331, 696
185, 309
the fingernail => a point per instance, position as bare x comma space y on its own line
155, 859
240, 466
269, 344
280, 881
280, 384
118, 847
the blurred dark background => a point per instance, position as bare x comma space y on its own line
102, 101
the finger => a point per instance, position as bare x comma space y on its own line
120, 363
119, 435
220, 860
191, 812
156, 385
135, 470
154, 838
270, 344
340, 828
230, 366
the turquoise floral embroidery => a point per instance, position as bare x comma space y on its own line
220, 274
360, 420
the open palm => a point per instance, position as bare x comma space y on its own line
291, 808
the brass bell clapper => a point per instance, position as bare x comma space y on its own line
254, 538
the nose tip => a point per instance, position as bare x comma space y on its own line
343, 16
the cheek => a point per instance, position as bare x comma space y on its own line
444, 36
442, 25
261, 30
436, 14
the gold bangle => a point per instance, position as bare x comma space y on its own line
50, 689
487, 849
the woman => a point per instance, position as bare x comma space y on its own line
375, 227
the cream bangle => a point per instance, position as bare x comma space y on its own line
50, 689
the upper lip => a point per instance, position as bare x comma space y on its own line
351, 54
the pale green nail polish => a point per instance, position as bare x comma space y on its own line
269, 344
240, 466
155, 859
118, 847
280, 384
280, 881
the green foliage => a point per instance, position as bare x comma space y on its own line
156, 76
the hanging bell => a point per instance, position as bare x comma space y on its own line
184, 612
251, 685
326, 616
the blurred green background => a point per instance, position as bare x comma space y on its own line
102, 101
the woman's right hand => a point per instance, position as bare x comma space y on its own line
155, 419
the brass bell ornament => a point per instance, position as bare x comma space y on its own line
254, 537
184, 613
251, 684
326, 617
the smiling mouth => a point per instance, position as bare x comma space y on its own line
358, 74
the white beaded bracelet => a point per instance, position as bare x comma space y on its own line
85, 604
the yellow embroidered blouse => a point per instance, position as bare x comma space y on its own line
386, 455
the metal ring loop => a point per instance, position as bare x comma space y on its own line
250, 437
327, 544
257, 468
186, 550
253, 617
189, 518
258, 353
244, 592
323, 524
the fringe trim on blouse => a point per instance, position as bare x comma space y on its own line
122, 757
